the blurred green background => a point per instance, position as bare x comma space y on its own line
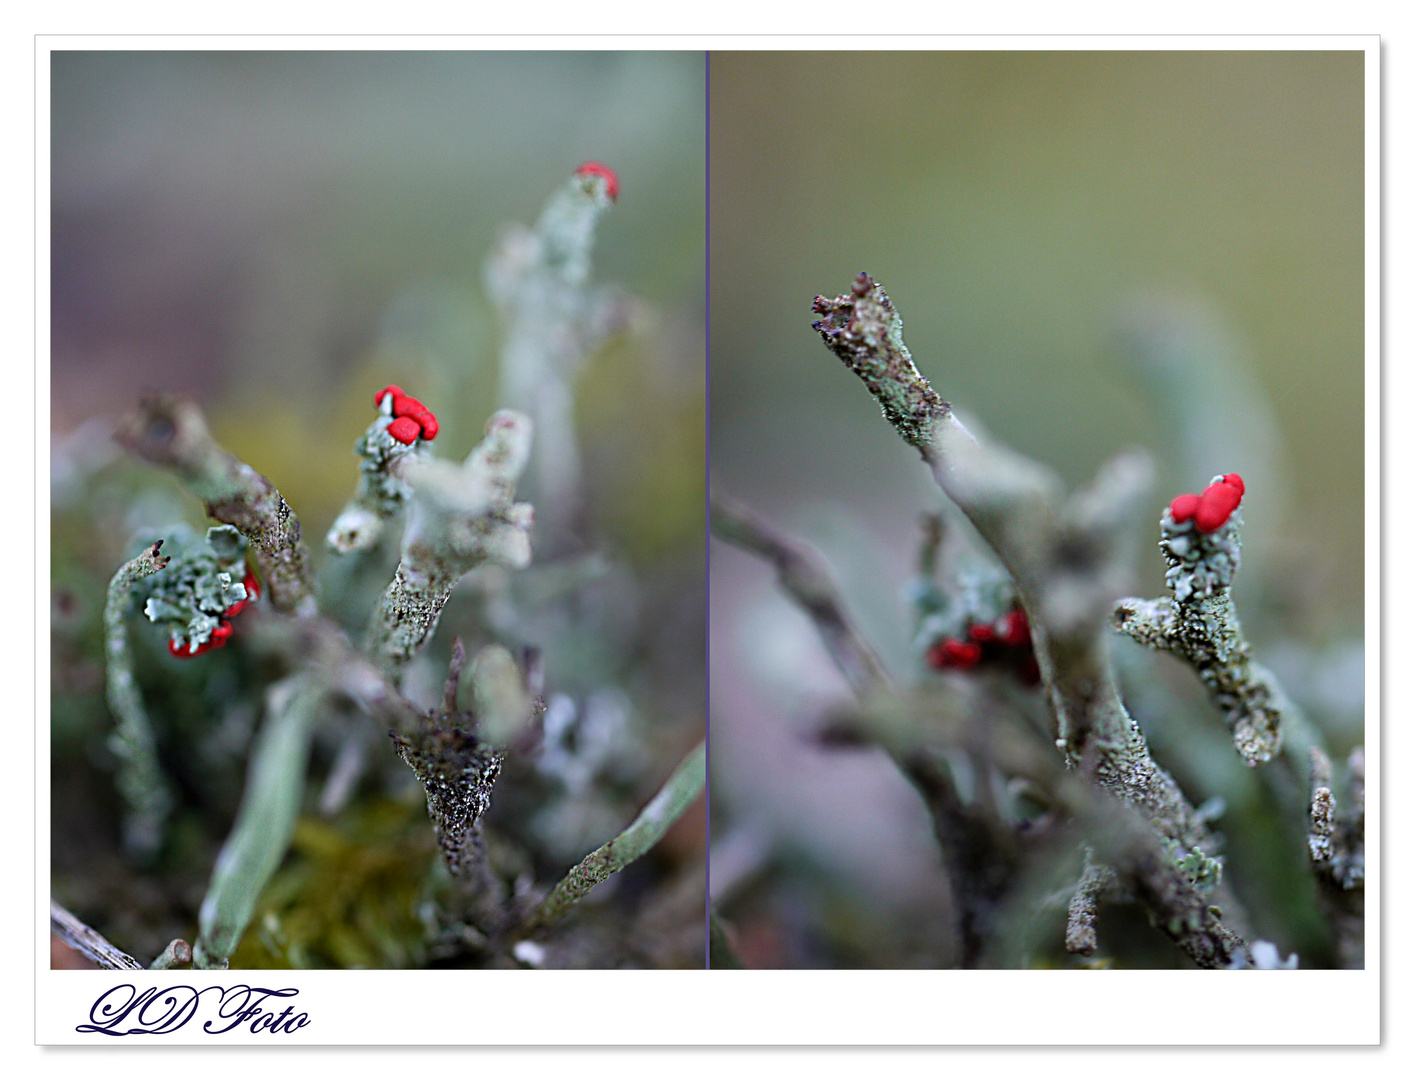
280, 234
274, 233
1090, 250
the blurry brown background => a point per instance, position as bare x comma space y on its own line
1043, 222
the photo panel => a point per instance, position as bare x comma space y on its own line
988, 688
376, 504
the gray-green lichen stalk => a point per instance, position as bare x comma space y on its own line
461, 516
275, 784
382, 493
537, 279
141, 781
1065, 554
1200, 625
666, 807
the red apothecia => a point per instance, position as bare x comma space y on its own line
412, 419
611, 181
1211, 509
1006, 642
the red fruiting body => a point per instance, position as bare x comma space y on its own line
396, 391
1016, 632
1006, 643
1218, 501
952, 653
405, 429
407, 407
967, 653
1183, 507
594, 168
414, 410
1211, 509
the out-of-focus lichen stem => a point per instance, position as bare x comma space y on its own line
676, 795
804, 577
141, 781
275, 784
87, 941
537, 278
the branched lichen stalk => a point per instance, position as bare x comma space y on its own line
171, 432
676, 795
977, 851
458, 772
270, 805
1119, 834
461, 517
1064, 554
1198, 623
141, 781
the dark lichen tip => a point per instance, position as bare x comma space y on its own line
863, 329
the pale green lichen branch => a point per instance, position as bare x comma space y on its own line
382, 493
270, 805
141, 781
1199, 624
171, 432
537, 279
460, 517
1337, 846
1336, 841
676, 795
